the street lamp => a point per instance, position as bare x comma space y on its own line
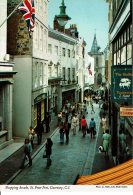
62, 18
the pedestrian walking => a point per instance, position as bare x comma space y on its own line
59, 118
100, 102
84, 108
39, 130
47, 122
69, 121
63, 117
92, 108
78, 107
66, 115
92, 127
122, 143
48, 151
101, 113
106, 141
66, 131
31, 133
104, 123
27, 153
80, 117
73, 109
61, 131
89, 100
75, 123
83, 125
105, 107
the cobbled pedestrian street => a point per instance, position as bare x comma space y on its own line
68, 161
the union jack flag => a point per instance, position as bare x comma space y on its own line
27, 9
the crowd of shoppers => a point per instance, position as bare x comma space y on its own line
73, 117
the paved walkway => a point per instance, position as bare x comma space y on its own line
10, 156
19, 142
9, 150
67, 160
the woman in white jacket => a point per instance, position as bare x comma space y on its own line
75, 123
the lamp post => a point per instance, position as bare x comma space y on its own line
62, 18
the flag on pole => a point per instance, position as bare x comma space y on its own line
89, 69
27, 8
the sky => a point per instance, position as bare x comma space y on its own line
90, 16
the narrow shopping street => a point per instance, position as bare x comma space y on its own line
58, 67
68, 161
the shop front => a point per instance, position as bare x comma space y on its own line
68, 96
54, 95
121, 107
40, 107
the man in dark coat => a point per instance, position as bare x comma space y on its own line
39, 131
105, 107
47, 122
48, 149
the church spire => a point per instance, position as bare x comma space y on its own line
94, 48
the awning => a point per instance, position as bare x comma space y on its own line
119, 175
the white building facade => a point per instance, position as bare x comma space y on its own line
65, 70
6, 82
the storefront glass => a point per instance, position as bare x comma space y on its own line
129, 53
42, 110
115, 59
35, 115
123, 55
118, 57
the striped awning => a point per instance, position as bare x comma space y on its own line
119, 175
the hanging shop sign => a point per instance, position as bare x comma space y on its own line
121, 82
126, 111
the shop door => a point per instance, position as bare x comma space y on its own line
38, 112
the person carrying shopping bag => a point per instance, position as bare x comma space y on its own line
27, 153
92, 127
83, 125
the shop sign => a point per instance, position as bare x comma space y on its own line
121, 82
126, 111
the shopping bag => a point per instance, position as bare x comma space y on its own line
88, 130
44, 155
94, 132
